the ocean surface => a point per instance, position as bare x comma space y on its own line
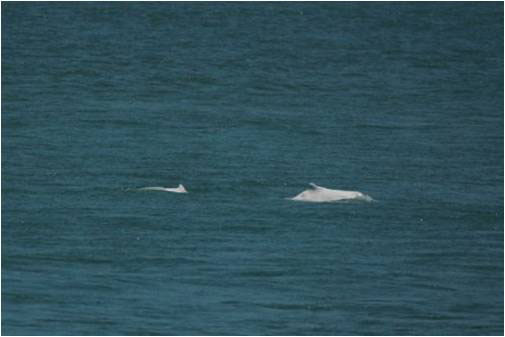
245, 104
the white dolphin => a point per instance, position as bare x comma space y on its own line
321, 194
179, 189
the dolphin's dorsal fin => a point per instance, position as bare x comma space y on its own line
314, 185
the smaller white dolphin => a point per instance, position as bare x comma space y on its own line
179, 189
321, 194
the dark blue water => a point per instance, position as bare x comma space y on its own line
245, 104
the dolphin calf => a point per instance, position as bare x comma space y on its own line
179, 189
321, 194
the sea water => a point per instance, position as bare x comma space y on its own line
245, 104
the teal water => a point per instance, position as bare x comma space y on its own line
245, 104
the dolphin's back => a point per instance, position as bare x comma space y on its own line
179, 189
323, 194
153, 188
